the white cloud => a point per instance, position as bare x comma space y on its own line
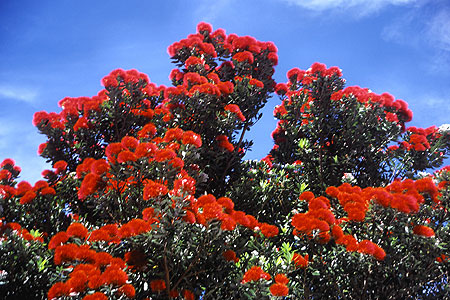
18, 93
439, 29
436, 102
209, 11
361, 7
424, 27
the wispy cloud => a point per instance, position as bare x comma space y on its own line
359, 7
439, 29
18, 93
424, 27
209, 11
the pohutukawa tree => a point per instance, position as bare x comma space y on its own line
150, 196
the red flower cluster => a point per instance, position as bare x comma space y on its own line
19, 231
300, 261
158, 285
230, 255
154, 189
224, 143
27, 193
88, 274
352, 199
121, 76
318, 218
244, 56
363, 95
423, 231
236, 110
279, 288
255, 273
420, 138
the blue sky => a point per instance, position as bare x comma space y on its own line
53, 49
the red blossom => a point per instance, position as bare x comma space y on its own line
269, 230
244, 56
255, 273
204, 27
423, 231
77, 230
279, 289
154, 189
281, 278
7, 162
188, 295
224, 143
236, 110
230, 255
158, 285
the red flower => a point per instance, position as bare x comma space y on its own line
212, 211
148, 213
244, 56
112, 150
134, 227
188, 295
129, 142
88, 185
193, 60
295, 75
58, 239
164, 154
158, 285
173, 134
191, 138
224, 143
236, 110
81, 123
269, 230
127, 290
227, 203
230, 255
57, 290
30, 195
65, 253
379, 254
78, 230
99, 167
255, 273
126, 156
147, 131
307, 196
226, 87
154, 189
7, 162
204, 27
281, 278
114, 275
23, 187
41, 148
256, 82
60, 166
423, 231
48, 191
300, 261
278, 289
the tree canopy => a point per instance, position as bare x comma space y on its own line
150, 196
